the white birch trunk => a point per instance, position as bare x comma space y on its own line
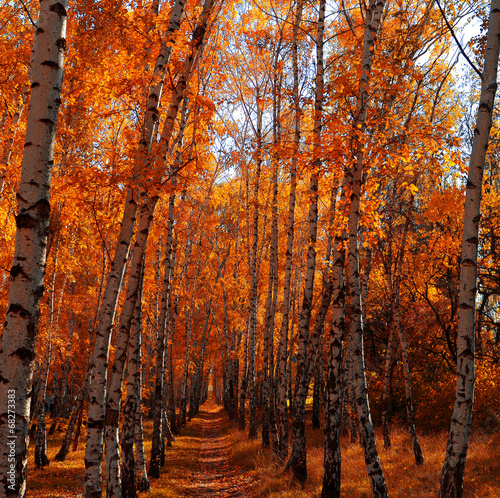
456, 451
333, 407
41, 459
114, 394
374, 469
281, 449
18, 346
298, 459
140, 452
160, 342
254, 276
389, 352
129, 483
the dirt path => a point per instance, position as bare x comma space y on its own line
216, 474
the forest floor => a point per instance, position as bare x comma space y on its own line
200, 464
212, 458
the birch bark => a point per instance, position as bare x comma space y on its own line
281, 449
129, 483
372, 24
298, 457
18, 343
333, 407
456, 452
253, 298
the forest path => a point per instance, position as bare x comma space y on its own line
211, 471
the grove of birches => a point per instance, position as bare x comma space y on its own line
290, 205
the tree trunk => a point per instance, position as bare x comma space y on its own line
333, 395
298, 457
140, 453
317, 394
375, 473
281, 449
41, 459
18, 342
129, 484
389, 352
456, 451
253, 297
114, 395
82, 394
155, 461
395, 290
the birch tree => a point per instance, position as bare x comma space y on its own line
18, 346
281, 449
94, 450
456, 452
373, 18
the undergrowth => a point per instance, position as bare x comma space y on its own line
404, 478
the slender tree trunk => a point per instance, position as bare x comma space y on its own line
333, 396
20, 330
155, 461
269, 397
268, 367
253, 298
281, 449
395, 290
456, 451
417, 451
41, 459
82, 394
317, 394
140, 453
67, 364
243, 385
114, 394
170, 384
298, 457
350, 398
246, 334
389, 353
172, 307
129, 484
372, 23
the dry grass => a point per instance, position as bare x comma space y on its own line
404, 477
58, 479
65, 479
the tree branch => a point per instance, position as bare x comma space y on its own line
450, 29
